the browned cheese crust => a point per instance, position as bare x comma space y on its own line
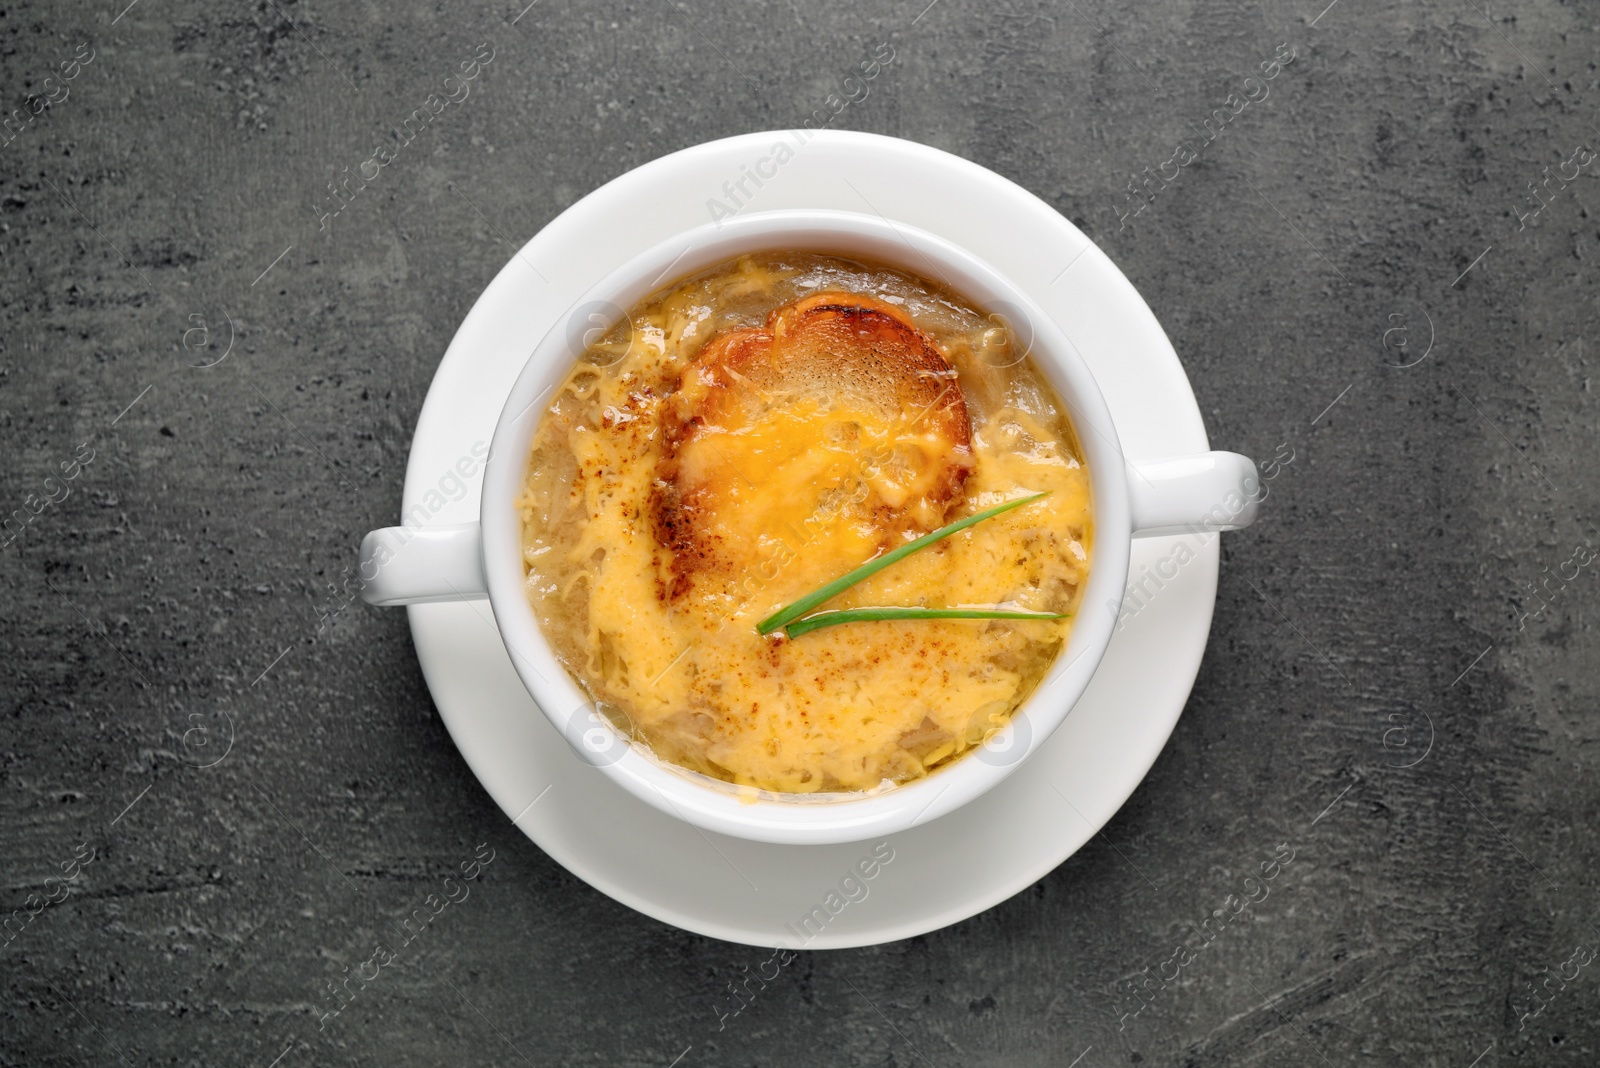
830, 351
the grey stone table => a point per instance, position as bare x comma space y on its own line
1378, 266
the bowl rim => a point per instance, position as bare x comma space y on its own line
726, 809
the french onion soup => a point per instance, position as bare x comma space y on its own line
806, 525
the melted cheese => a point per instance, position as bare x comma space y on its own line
843, 709
812, 476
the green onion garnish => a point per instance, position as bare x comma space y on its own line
861, 615
811, 600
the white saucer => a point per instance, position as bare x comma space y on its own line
944, 870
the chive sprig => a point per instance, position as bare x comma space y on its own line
818, 620
790, 621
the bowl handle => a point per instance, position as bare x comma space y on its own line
1186, 494
423, 565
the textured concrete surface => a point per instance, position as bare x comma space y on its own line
1402, 676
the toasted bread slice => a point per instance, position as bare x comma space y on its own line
839, 422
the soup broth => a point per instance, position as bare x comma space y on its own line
750, 433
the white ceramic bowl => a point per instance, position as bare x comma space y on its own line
415, 564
